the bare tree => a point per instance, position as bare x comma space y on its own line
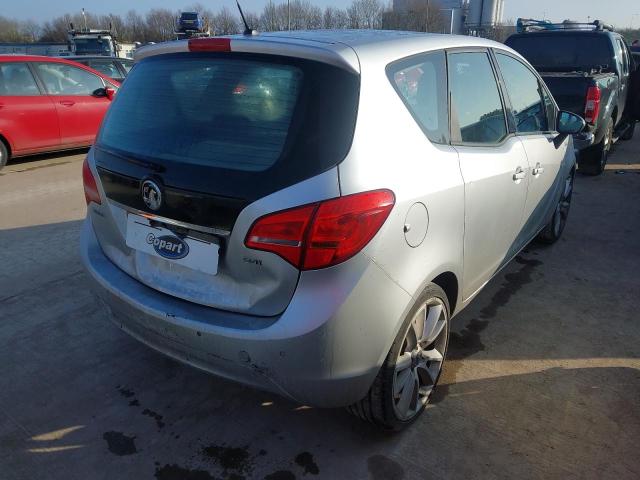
10, 30
160, 25
56, 29
335, 18
365, 14
225, 22
30, 30
421, 16
135, 27
253, 20
270, 18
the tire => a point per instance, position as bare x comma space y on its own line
628, 134
594, 159
552, 232
418, 366
4, 154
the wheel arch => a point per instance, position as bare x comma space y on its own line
7, 143
448, 281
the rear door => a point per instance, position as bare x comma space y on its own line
72, 89
494, 167
204, 144
27, 117
533, 114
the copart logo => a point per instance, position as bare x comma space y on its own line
168, 246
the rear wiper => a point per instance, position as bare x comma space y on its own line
156, 167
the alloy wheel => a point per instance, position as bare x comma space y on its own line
563, 207
606, 148
420, 359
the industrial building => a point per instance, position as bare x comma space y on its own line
464, 16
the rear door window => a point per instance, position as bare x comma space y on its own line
525, 93
421, 82
107, 68
477, 113
126, 65
16, 80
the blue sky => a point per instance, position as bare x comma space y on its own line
619, 12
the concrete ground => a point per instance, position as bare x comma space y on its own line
542, 381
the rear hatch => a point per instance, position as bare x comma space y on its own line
196, 146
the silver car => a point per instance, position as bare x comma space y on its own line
305, 212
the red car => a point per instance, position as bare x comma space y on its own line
49, 104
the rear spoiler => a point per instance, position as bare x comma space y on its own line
336, 54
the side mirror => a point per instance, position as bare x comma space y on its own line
107, 92
99, 92
570, 123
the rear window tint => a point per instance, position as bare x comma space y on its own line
231, 114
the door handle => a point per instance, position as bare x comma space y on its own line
520, 174
539, 169
67, 103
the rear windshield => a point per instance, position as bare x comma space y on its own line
563, 52
234, 112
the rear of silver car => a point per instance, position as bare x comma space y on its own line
180, 238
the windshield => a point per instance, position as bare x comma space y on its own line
92, 46
564, 52
234, 112
189, 16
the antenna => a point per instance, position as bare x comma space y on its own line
247, 29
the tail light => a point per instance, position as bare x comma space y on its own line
592, 108
91, 193
322, 234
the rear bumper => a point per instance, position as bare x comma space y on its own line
583, 140
324, 350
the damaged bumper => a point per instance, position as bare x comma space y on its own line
307, 353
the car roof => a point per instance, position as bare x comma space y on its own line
345, 48
75, 58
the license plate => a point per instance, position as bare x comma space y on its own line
160, 242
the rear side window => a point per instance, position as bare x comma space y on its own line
63, 79
126, 65
421, 82
231, 114
525, 93
16, 79
624, 57
107, 68
477, 113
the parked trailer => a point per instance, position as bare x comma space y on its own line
49, 49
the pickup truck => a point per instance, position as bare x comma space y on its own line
590, 72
